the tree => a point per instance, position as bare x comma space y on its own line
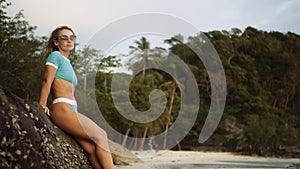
93, 68
141, 51
143, 56
89, 60
21, 65
263, 92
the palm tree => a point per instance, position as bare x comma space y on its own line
141, 53
171, 86
144, 56
181, 49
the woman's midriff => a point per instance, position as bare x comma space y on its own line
62, 88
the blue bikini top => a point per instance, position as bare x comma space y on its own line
64, 69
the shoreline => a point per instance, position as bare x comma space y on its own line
283, 152
168, 158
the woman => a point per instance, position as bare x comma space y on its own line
60, 79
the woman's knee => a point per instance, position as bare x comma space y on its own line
88, 146
100, 137
103, 133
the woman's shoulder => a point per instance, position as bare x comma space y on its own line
54, 56
54, 53
57, 56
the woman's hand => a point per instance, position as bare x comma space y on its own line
46, 110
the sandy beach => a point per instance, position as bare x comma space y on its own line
194, 159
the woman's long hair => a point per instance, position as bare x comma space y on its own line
54, 36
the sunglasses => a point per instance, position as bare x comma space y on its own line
65, 37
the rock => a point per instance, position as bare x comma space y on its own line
121, 155
28, 139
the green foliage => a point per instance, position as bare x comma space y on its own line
262, 83
20, 57
261, 114
262, 72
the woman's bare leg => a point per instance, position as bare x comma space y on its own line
86, 132
89, 147
99, 138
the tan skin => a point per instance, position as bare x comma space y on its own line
89, 135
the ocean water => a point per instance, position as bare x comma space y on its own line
258, 164
209, 160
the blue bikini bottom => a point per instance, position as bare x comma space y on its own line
73, 103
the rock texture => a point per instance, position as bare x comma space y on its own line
28, 139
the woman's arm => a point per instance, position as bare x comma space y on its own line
46, 86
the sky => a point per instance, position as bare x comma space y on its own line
87, 17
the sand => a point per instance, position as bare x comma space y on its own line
196, 159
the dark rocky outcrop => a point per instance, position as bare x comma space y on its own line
28, 139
